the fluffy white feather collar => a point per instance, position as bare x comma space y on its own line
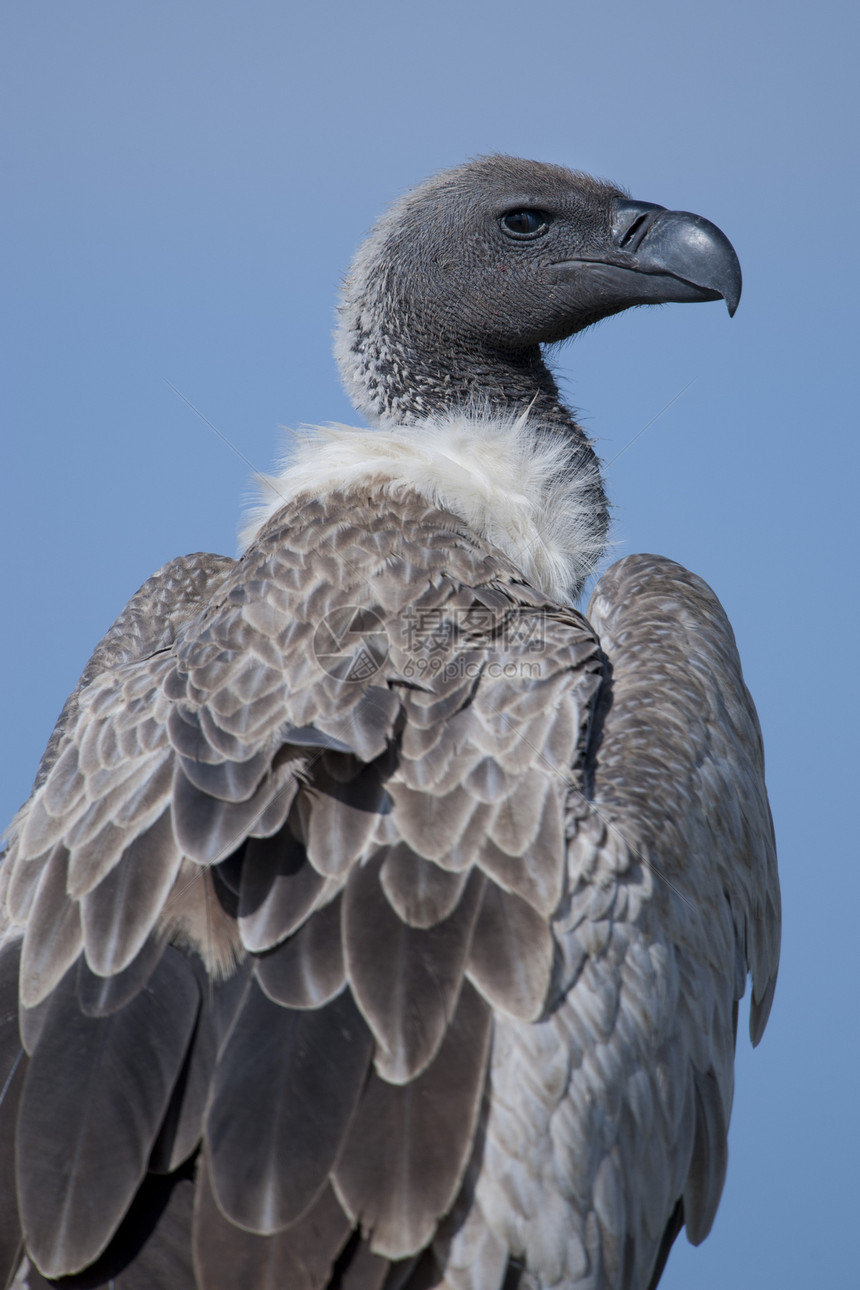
510, 485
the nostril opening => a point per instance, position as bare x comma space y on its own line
634, 228
641, 215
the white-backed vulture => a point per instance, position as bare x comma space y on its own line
379, 922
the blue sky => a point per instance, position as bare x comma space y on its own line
186, 182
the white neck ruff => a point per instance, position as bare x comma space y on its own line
510, 485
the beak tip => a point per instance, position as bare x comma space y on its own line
732, 296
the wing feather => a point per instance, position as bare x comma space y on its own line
182, 1127
209, 829
38, 832
300, 1257
410, 1143
95, 849
406, 980
342, 814
279, 887
421, 893
150, 621
534, 869
511, 955
152, 1247
119, 914
13, 1069
308, 969
67, 786
90, 1099
54, 936
99, 996
21, 882
709, 1162
275, 1125
670, 865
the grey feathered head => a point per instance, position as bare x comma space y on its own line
466, 276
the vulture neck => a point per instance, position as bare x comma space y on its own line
401, 370
400, 373
479, 433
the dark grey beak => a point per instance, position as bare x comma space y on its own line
656, 256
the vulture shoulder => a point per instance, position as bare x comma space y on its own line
149, 622
627, 1083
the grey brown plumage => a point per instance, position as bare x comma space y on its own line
353, 954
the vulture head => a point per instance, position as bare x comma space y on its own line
456, 288
445, 310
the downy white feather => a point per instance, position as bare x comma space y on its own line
508, 480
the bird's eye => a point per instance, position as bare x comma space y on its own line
525, 224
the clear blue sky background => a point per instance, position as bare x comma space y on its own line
186, 181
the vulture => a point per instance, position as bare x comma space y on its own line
377, 921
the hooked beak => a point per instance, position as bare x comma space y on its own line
656, 256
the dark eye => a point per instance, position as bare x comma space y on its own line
525, 224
